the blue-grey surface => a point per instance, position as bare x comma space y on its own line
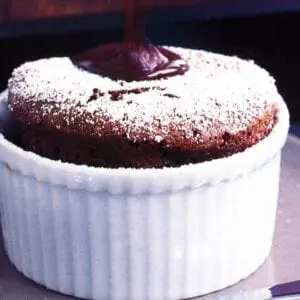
295, 129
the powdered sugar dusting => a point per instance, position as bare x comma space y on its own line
218, 94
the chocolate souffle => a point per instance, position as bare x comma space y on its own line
153, 231
220, 106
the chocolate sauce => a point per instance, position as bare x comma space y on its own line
135, 58
171, 96
96, 94
118, 94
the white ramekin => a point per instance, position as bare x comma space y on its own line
140, 234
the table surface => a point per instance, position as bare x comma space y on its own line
283, 264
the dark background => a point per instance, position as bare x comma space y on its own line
272, 40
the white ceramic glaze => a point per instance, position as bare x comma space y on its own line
140, 234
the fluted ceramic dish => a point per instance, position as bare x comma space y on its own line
140, 234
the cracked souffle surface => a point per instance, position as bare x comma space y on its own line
220, 106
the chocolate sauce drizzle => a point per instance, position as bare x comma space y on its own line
118, 94
135, 58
